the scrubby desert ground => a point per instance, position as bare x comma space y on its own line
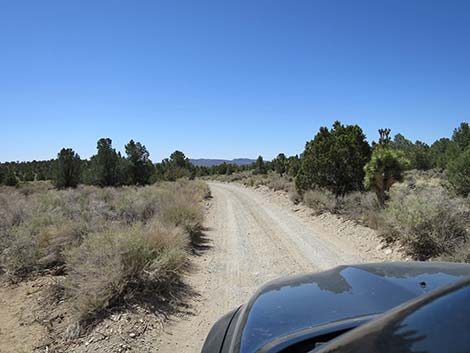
251, 236
255, 235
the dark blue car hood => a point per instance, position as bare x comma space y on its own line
293, 304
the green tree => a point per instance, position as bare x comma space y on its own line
461, 136
280, 164
459, 173
179, 160
28, 176
40, 176
334, 160
140, 166
422, 156
176, 167
105, 164
222, 168
10, 178
68, 168
419, 153
260, 167
293, 165
443, 151
385, 168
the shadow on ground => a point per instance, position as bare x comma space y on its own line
199, 241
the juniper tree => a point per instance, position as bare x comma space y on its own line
461, 136
280, 164
68, 168
334, 160
140, 166
260, 167
459, 173
105, 164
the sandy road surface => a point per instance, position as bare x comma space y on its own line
252, 241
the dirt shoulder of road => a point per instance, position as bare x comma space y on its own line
363, 238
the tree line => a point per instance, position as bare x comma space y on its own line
106, 168
109, 168
339, 159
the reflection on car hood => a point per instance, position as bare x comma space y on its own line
295, 303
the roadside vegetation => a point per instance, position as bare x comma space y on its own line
105, 245
413, 194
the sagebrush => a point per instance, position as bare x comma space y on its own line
427, 221
108, 242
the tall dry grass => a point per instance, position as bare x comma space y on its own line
108, 242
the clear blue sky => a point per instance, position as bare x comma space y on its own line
227, 79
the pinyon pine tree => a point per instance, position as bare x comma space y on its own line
68, 169
334, 160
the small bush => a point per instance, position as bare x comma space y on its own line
462, 254
427, 221
362, 207
183, 212
56, 239
136, 205
295, 197
320, 200
111, 265
13, 210
21, 253
277, 182
199, 188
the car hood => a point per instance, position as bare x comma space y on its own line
292, 304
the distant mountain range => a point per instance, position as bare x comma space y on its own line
202, 162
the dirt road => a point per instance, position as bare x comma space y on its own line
253, 240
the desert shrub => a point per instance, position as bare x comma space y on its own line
362, 207
277, 182
133, 205
56, 239
426, 221
199, 189
21, 253
182, 210
249, 182
37, 229
30, 247
295, 197
30, 188
320, 200
462, 254
110, 265
432, 178
13, 210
